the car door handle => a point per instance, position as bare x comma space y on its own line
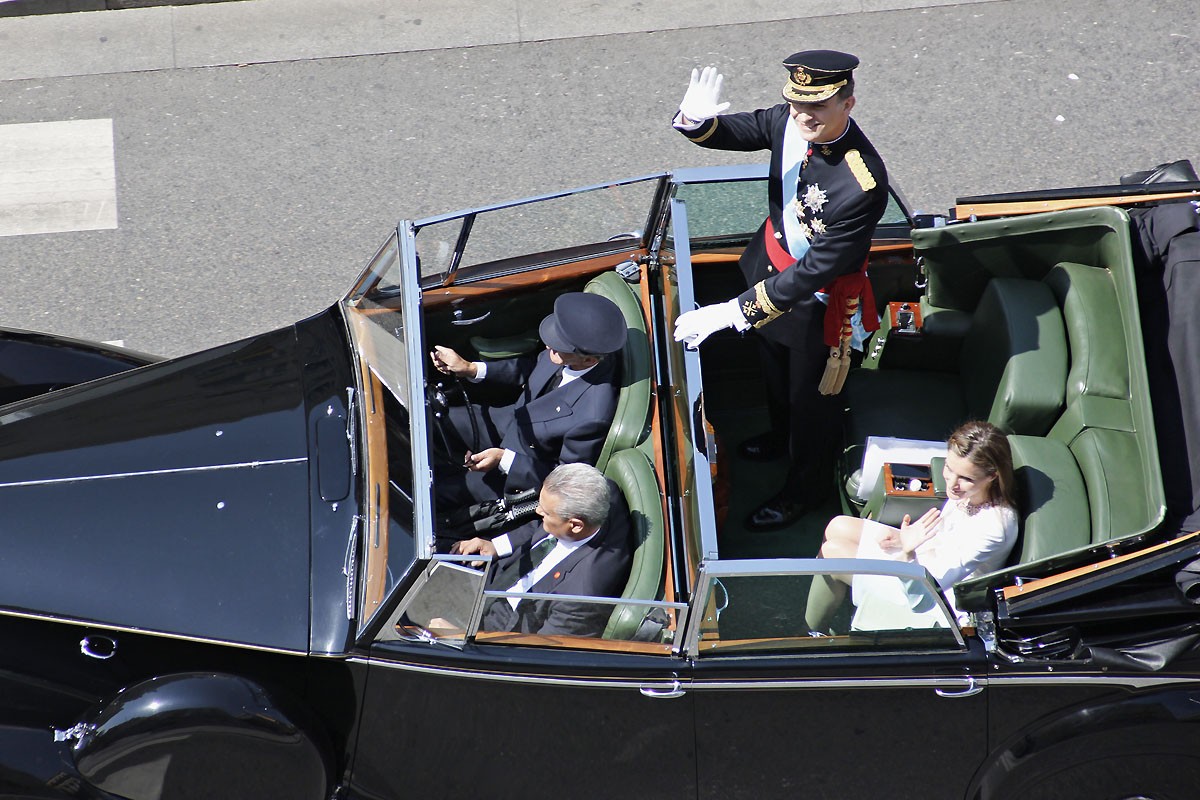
663, 692
973, 687
458, 318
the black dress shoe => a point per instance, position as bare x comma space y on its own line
763, 447
774, 514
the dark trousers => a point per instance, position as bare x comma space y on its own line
807, 419
455, 486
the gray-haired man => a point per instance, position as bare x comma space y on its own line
582, 546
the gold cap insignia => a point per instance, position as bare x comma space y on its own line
800, 76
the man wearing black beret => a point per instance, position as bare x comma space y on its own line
806, 265
565, 406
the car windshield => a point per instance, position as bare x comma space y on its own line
532, 232
380, 336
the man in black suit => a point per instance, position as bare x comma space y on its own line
827, 190
583, 546
565, 406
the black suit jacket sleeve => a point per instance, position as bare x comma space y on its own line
745, 131
512, 372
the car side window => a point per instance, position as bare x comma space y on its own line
769, 607
726, 213
448, 604
894, 213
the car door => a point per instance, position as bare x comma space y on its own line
891, 703
467, 713
453, 712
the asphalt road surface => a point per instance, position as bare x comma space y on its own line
250, 196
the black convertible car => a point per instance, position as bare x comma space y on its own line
219, 576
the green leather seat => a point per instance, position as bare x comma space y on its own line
632, 471
494, 348
1116, 458
1052, 499
1012, 373
1093, 477
631, 423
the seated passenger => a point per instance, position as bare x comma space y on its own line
568, 396
971, 535
582, 546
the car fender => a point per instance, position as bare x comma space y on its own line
1149, 738
167, 736
34, 363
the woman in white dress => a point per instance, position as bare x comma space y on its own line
972, 534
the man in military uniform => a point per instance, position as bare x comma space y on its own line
827, 190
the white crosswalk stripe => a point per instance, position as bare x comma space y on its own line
57, 176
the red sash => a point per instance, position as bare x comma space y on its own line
780, 258
843, 289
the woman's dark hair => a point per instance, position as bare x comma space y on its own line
986, 447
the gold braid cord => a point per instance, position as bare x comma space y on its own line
838, 365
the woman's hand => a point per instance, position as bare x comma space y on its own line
914, 534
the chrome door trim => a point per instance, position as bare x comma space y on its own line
595, 682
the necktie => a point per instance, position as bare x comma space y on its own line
554, 382
512, 572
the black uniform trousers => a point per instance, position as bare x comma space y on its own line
808, 420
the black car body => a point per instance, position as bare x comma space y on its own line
220, 580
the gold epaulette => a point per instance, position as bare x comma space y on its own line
863, 175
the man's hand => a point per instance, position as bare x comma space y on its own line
472, 547
484, 460
703, 98
448, 362
693, 327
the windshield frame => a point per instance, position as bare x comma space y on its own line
397, 253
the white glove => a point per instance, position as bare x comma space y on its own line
693, 327
703, 98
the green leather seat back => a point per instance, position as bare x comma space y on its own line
1099, 358
1014, 362
1111, 467
1052, 499
631, 423
632, 471
1099, 422
494, 348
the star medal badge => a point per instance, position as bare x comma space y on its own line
798, 207
815, 198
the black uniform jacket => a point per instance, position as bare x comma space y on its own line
841, 196
564, 426
599, 568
